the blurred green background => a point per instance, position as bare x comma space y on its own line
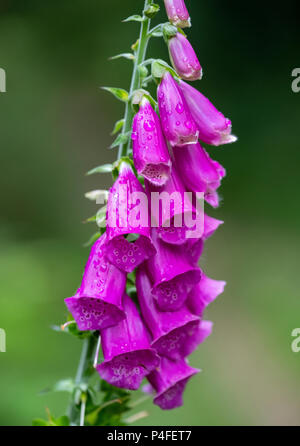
55, 126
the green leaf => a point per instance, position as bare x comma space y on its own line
118, 93
40, 422
105, 168
128, 56
92, 239
123, 138
100, 196
118, 127
64, 385
157, 34
156, 31
90, 219
134, 18
62, 421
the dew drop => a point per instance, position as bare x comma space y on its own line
149, 125
179, 108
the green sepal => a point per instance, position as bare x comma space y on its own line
117, 164
159, 67
151, 10
169, 31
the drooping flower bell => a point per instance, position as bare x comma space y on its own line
97, 303
169, 382
178, 13
199, 172
127, 213
175, 334
194, 246
178, 124
172, 274
174, 212
150, 153
204, 293
213, 127
184, 58
128, 357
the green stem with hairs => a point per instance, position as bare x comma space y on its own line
83, 374
135, 80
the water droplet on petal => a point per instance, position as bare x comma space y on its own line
149, 125
179, 108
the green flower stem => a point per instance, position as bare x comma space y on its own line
135, 81
83, 374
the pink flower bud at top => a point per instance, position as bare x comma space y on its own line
172, 274
98, 302
178, 124
169, 382
204, 293
178, 13
128, 357
175, 334
213, 127
127, 213
150, 153
199, 172
184, 58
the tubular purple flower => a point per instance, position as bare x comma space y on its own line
150, 153
204, 293
172, 274
169, 382
213, 127
184, 58
97, 303
178, 124
128, 357
175, 334
210, 226
194, 246
173, 212
178, 13
199, 172
127, 213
